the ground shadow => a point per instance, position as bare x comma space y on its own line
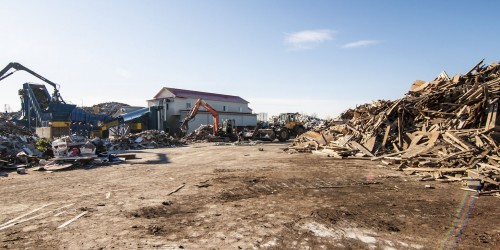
161, 158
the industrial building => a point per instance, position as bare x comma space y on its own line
175, 105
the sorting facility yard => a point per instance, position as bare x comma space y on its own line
203, 196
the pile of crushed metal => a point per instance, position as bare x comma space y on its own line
202, 133
144, 140
308, 121
445, 129
17, 143
106, 108
8, 127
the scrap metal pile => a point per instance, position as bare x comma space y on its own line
308, 121
145, 139
106, 108
445, 128
201, 133
16, 142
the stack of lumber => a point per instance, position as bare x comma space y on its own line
447, 126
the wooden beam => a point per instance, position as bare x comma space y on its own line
361, 148
177, 189
72, 220
485, 179
386, 135
492, 116
24, 215
488, 166
400, 131
437, 169
457, 139
415, 141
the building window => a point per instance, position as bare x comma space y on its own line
188, 105
223, 108
240, 109
166, 106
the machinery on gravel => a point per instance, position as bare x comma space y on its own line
224, 133
282, 128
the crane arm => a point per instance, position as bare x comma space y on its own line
194, 112
17, 66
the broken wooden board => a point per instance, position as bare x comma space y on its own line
492, 116
370, 144
458, 140
361, 148
437, 169
417, 150
72, 220
483, 178
315, 136
386, 136
489, 166
415, 141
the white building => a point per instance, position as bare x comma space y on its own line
177, 103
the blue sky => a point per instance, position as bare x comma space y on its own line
315, 57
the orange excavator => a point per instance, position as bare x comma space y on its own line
228, 130
194, 111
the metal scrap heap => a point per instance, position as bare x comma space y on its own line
308, 121
201, 133
106, 108
445, 128
145, 139
16, 142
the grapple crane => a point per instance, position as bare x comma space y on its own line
56, 96
42, 110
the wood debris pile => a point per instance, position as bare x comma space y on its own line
145, 139
446, 127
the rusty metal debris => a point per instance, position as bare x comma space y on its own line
17, 144
106, 108
309, 122
144, 140
202, 133
446, 127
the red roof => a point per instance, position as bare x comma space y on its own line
183, 93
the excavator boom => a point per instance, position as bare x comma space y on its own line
194, 112
17, 66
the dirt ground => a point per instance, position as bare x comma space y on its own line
241, 197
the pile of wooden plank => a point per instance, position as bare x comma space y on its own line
447, 127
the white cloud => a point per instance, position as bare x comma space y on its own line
360, 43
308, 39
